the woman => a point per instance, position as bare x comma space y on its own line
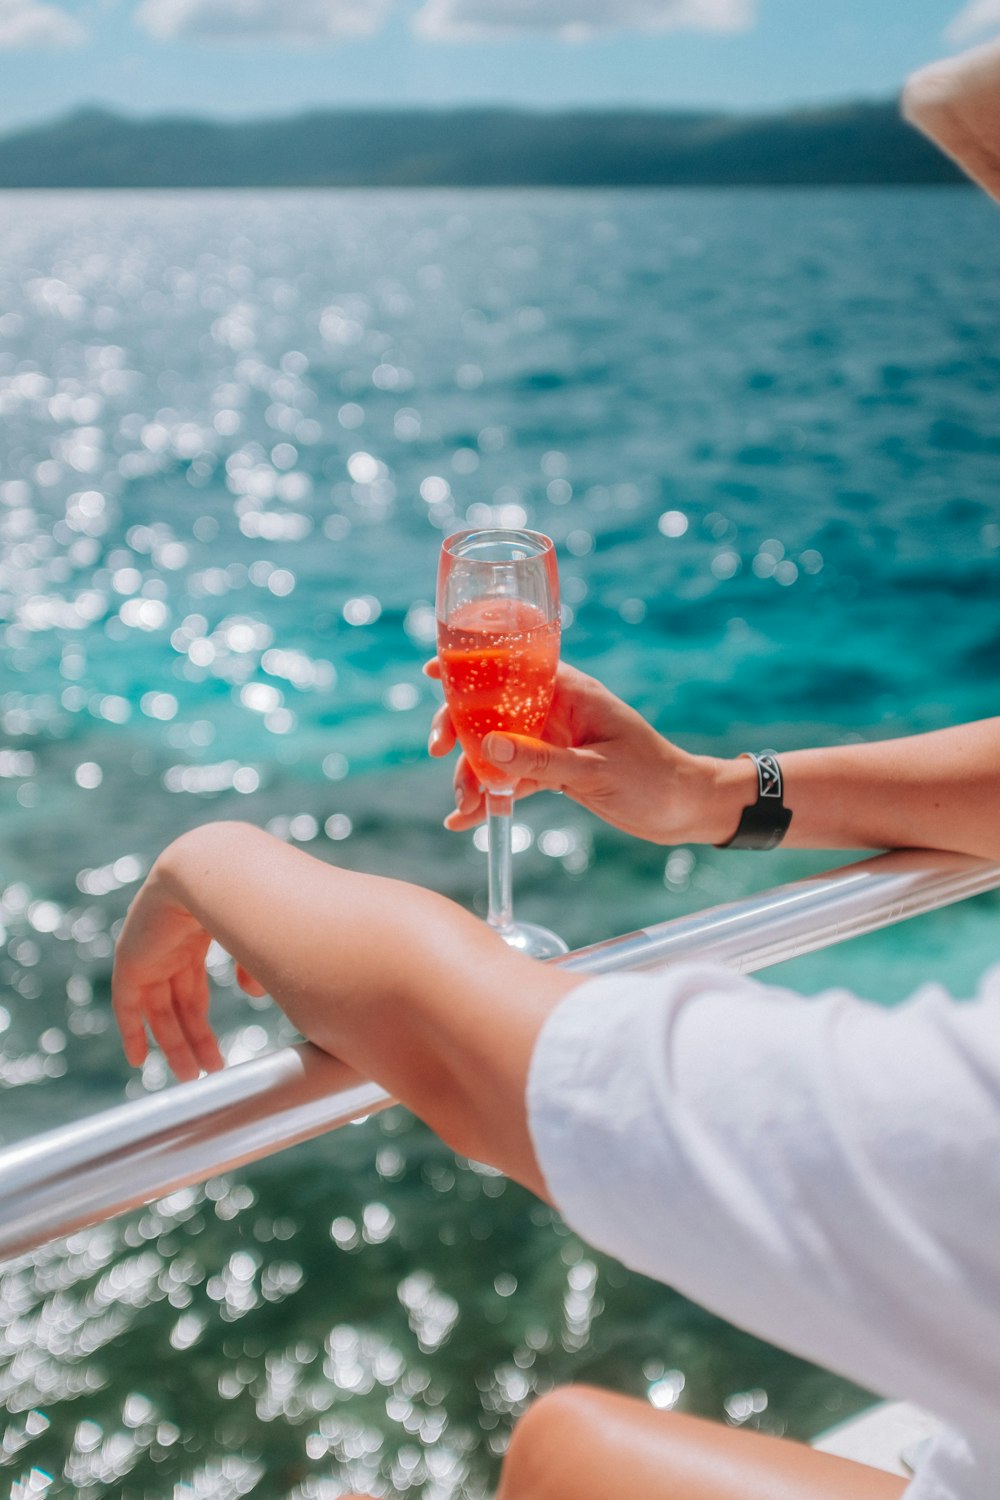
823, 1174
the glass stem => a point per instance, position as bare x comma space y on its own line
499, 815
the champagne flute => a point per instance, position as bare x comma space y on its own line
498, 648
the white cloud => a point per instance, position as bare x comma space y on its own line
278, 20
973, 19
575, 20
29, 23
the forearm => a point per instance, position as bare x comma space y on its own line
937, 791
398, 982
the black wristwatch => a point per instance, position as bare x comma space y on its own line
765, 822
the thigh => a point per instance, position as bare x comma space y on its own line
583, 1444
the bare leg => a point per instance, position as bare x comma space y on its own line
583, 1444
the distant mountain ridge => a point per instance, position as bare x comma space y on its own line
475, 147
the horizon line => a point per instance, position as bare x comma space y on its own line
123, 113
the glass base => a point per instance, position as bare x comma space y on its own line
536, 942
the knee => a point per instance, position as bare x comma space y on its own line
544, 1441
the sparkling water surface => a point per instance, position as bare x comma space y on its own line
762, 428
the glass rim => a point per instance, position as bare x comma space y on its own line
456, 544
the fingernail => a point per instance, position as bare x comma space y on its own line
434, 740
499, 750
464, 799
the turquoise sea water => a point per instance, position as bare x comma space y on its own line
764, 431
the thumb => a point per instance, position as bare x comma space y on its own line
551, 766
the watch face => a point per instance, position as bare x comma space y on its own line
768, 776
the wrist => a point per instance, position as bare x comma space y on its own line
731, 786
167, 875
202, 851
704, 800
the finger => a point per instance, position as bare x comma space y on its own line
432, 669
127, 1007
191, 1007
457, 822
169, 1034
442, 735
247, 983
470, 803
552, 766
460, 822
465, 784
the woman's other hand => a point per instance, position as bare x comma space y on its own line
160, 987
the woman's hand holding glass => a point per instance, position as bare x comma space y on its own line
605, 756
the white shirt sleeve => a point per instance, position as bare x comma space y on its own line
824, 1173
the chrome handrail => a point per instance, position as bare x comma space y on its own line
799, 918
83, 1173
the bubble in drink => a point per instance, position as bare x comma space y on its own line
498, 667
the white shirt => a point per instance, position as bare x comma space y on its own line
824, 1173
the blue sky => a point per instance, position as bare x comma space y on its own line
246, 58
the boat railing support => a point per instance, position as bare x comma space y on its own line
81, 1174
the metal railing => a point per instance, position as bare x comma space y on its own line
81, 1174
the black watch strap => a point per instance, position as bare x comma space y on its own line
765, 822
